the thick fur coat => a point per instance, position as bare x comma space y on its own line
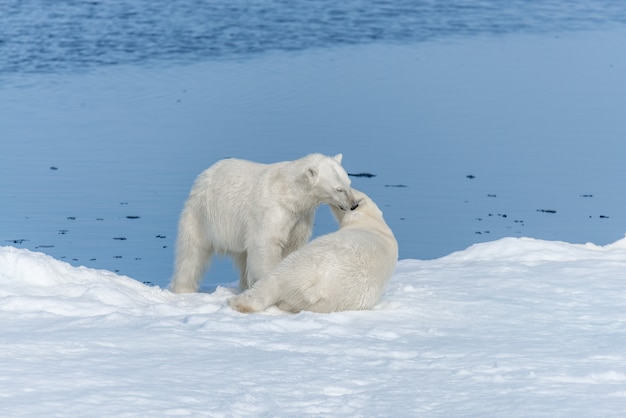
345, 270
255, 213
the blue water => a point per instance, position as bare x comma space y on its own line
479, 119
71, 35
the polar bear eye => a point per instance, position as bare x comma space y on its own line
339, 189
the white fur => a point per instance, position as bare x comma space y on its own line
344, 270
255, 213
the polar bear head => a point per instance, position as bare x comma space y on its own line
366, 211
328, 181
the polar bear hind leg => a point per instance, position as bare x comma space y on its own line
193, 254
264, 294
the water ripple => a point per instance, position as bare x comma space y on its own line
69, 35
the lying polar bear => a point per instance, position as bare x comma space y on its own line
255, 213
344, 270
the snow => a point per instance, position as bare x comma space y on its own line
515, 327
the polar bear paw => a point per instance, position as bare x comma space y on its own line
246, 303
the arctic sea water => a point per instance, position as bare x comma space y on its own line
470, 122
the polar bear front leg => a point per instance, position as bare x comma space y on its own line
263, 256
300, 233
241, 260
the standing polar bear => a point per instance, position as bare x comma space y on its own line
255, 213
345, 270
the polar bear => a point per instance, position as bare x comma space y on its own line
255, 213
345, 270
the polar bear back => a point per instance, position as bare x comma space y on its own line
226, 195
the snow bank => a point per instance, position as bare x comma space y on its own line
515, 327
37, 283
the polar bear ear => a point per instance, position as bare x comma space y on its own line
338, 158
310, 174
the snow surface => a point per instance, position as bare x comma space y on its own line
516, 327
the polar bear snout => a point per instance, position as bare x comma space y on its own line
351, 203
